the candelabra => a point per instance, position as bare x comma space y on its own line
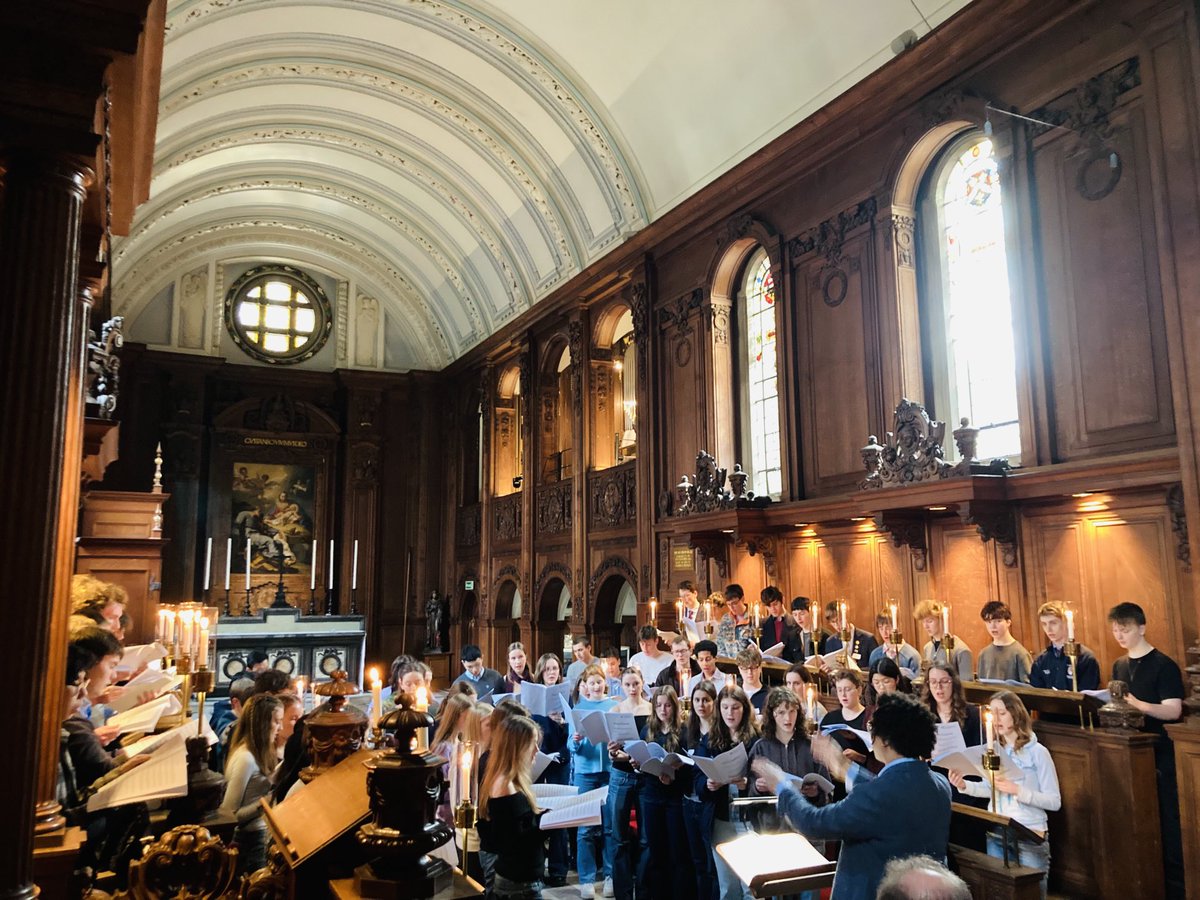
335, 731
280, 590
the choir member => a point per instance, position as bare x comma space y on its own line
698, 806
885, 677
734, 628
581, 649
848, 688
456, 722
689, 606
669, 862
1052, 669
808, 639
554, 741
591, 770
509, 817
1156, 690
681, 653
293, 711
734, 724
650, 659
749, 662
777, 627
611, 660
906, 656
1004, 659
932, 616
865, 822
485, 681
622, 842
706, 658
518, 668
85, 741
1028, 797
798, 679
785, 744
252, 762
862, 643
943, 694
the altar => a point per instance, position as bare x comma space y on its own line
312, 647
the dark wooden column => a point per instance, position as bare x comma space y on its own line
39, 342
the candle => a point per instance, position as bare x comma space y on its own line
757, 613
678, 610
653, 607
228, 559
991, 734
312, 575
203, 654
247, 563
422, 702
895, 627
1070, 624
299, 688
812, 618
185, 631
330, 564
354, 569
812, 703
465, 762
682, 683
207, 564
843, 609
376, 696
945, 620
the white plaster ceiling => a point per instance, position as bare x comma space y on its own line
456, 160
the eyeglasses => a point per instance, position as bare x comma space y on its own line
940, 682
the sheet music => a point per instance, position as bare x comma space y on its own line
543, 699
575, 812
546, 792
820, 781
728, 766
151, 681
753, 855
863, 736
138, 655
542, 762
949, 739
969, 761
146, 716
151, 743
775, 651
163, 775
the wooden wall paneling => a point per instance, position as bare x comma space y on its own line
1109, 373
894, 582
897, 307
745, 570
1075, 825
1186, 738
1056, 566
1171, 68
964, 574
685, 403
800, 561
846, 571
839, 380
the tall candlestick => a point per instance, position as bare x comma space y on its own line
247, 563
202, 656
1070, 624
376, 696
330, 564
228, 560
354, 568
894, 625
207, 563
991, 733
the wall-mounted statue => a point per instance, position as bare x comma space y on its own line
436, 621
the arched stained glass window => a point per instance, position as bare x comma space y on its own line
761, 389
979, 376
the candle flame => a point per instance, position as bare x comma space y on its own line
374, 674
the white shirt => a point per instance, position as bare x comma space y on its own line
651, 666
718, 681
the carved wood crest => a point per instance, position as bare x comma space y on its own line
639, 307
550, 571
468, 525
612, 497
911, 453
506, 516
1183, 551
679, 312
763, 545
708, 492
552, 508
103, 376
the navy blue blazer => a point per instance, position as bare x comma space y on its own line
870, 826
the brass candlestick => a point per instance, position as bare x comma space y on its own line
1071, 649
948, 644
847, 635
991, 765
203, 681
184, 666
897, 640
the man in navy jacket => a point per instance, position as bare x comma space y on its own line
902, 732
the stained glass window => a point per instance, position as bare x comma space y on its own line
762, 377
277, 314
981, 355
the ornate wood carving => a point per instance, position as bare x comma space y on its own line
949, 103
468, 525
277, 412
549, 571
506, 519
187, 861
611, 565
763, 545
994, 522
575, 343
612, 497
640, 310
708, 492
1183, 552
104, 367
827, 238
903, 233
906, 531
714, 550
679, 312
664, 563
364, 464
913, 452
719, 316
552, 508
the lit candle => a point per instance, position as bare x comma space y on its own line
895, 627
991, 733
203, 655
707, 610
376, 696
812, 619
812, 703
682, 683
185, 630
678, 610
421, 704
330, 585
228, 559
247, 563
945, 620
843, 608
757, 614
299, 688
465, 762
1070, 624
354, 569
207, 564
312, 575
653, 608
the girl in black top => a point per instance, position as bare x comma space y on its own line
698, 805
509, 818
734, 725
668, 859
554, 740
848, 685
623, 788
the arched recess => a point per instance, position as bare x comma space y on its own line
614, 379
903, 360
553, 612
508, 439
467, 622
557, 407
506, 619
741, 237
613, 618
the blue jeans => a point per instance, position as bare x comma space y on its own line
731, 887
667, 858
1034, 856
698, 823
621, 849
591, 853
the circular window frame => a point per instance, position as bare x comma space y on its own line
299, 280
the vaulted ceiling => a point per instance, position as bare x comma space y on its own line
456, 160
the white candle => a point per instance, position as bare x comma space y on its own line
247, 563
844, 623
991, 733
312, 575
812, 703
653, 606
376, 696
421, 704
228, 559
330, 565
465, 766
207, 564
203, 655
945, 620
894, 626
354, 569
1070, 624
185, 631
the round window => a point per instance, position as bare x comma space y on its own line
278, 314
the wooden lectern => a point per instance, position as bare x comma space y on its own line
774, 865
989, 877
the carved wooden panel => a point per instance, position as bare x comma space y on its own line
1074, 826
964, 574
506, 519
467, 525
552, 508
1099, 237
838, 370
612, 497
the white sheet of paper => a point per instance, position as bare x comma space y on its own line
728, 766
775, 650
542, 762
542, 699
757, 854
146, 716
863, 736
136, 655
586, 809
151, 681
813, 778
1102, 696
949, 739
969, 761
563, 801
622, 726
543, 792
163, 775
